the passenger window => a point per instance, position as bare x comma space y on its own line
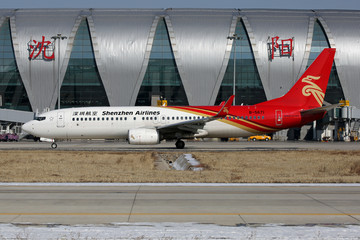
117, 119
77, 119
112, 119
143, 118
103, 118
125, 118
173, 118
121, 119
73, 119
107, 119
151, 118
134, 118
177, 118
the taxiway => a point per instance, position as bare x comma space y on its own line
242, 145
218, 204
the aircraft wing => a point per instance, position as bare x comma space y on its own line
192, 127
186, 127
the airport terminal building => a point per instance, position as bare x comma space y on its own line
116, 57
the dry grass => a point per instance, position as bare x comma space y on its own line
221, 167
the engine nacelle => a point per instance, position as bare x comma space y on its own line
143, 136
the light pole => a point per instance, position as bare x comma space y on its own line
234, 37
60, 37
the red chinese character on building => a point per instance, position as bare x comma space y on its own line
285, 48
274, 45
45, 48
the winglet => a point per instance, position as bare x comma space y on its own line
225, 108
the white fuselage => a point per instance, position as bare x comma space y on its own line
115, 122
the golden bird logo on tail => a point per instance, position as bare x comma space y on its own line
313, 89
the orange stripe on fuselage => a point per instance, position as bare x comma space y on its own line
195, 110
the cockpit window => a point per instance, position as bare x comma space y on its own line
40, 118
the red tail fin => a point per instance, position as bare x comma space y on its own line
309, 91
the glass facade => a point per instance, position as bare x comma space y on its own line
82, 85
249, 89
12, 91
334, 92
162, 76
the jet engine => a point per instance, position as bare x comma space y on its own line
143, 136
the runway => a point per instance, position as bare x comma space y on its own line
232, 205
206, 145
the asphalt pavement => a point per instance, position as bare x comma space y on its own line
224, 205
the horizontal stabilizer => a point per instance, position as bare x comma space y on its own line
320, 109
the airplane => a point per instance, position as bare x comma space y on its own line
148, 125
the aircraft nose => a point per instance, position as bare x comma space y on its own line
28, 127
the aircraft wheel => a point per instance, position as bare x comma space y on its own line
180, 144
266, 139
53, 145
254, 139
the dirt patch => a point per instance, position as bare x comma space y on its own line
355, 168
221, 167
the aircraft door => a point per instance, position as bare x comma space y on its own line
60, 119
278, 117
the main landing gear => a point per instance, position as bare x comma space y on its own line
180, 144
53, 145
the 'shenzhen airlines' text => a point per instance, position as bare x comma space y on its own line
127, 113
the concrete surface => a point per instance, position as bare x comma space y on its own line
243, 145
232, 205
